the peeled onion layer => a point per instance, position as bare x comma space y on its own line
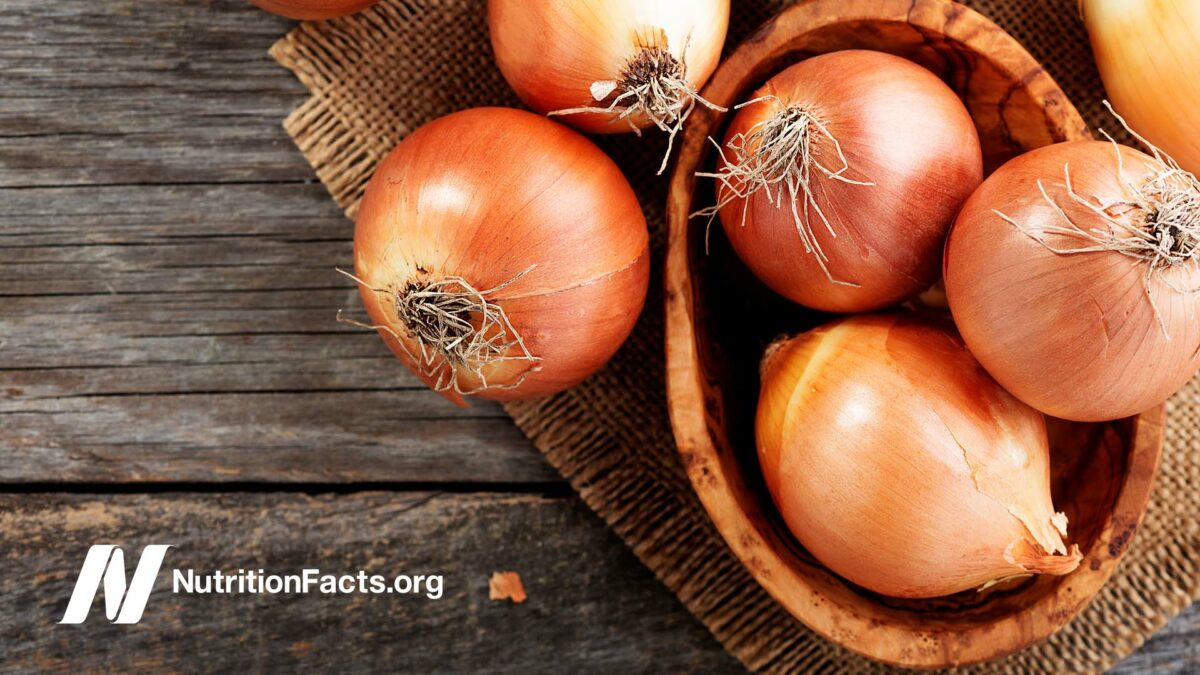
1074, 335
517, 205
907, 155
901, 465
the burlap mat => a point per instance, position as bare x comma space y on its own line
377, 76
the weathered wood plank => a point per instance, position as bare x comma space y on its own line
177, 239
137, 215
125, 91
304, 436
187, 333
592, 607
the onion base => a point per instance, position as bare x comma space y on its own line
777, 157
452, 329
1158, 224
653, 87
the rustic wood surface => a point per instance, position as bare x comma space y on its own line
170, 372
591, 605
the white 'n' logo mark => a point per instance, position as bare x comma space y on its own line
107, 562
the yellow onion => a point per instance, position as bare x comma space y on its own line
1073, 273
501, 255
1148, 53
840, 177
900, 464
609, 66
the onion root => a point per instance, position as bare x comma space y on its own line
1164, 232
653, 85
777, 156
454, 325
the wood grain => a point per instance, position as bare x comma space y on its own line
130, 92
158, 331
578, 576
143, 176
719, 320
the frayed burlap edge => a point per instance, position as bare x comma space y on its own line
376, 76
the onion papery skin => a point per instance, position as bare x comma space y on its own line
552, 51
1148, 53
901, 128
312, 10
1074, 336
900, 464
486, 194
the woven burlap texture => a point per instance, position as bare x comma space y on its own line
376, 76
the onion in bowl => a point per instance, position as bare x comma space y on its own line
840, 177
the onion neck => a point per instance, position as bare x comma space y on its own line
1035, 560
772, 350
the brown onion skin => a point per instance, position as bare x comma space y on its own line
310, 10
842, 401
551, 51
1074, 336
484, 194
901, 128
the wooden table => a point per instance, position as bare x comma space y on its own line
171, 372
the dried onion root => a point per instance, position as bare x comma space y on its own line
837, 180
500, 255
1157, 224
456, 331
776, 157
653, 86
611, 66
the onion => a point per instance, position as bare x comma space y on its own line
500, 254
313, 9
1072, 275
901, 465
840, 177
610, 66
1147, 54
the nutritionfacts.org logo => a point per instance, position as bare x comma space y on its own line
123, 603
125, 599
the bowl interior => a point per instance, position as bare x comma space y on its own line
732, 316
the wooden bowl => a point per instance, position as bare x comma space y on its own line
719, 319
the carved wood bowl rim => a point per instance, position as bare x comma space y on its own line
818, 598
